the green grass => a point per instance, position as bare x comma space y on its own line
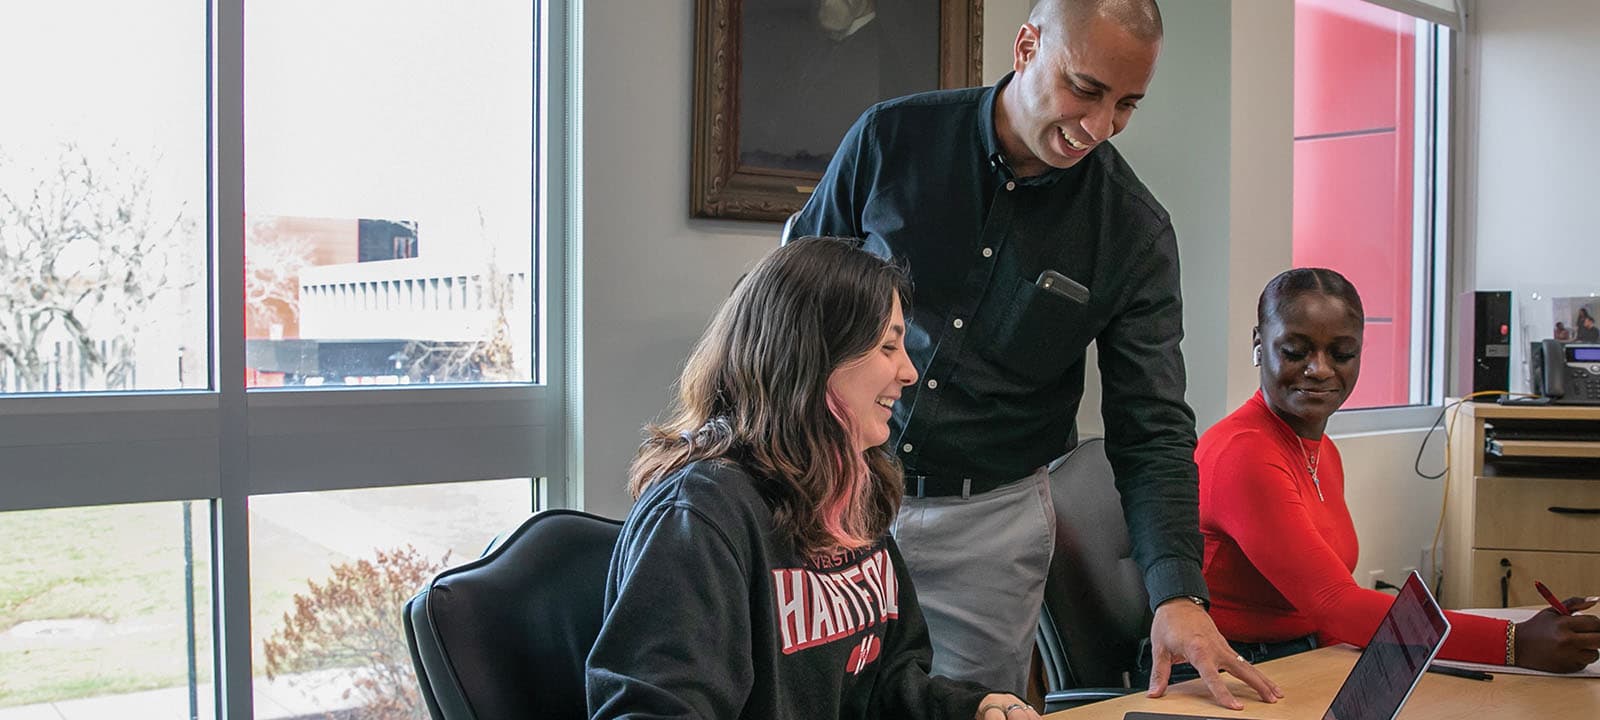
123, 566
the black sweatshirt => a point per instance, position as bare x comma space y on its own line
711, 614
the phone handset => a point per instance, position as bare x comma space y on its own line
1554, 369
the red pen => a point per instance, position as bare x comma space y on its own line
1550, 597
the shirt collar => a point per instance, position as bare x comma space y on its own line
986, 127
991, 140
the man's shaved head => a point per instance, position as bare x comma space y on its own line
1080, 68
1141, 18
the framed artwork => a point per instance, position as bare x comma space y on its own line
778, 82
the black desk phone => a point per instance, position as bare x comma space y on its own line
1567, 373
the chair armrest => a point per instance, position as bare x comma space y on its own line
1066, 699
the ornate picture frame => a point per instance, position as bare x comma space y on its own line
756, 183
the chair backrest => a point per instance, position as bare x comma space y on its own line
506, 635
1096, 611
788, 228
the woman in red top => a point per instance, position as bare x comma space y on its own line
1279, 544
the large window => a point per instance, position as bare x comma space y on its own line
1371, 106
280, 310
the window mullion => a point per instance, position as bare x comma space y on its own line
230, 543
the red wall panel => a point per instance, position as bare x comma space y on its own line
1347, 57
1353, 196
1353, 214
1385, 368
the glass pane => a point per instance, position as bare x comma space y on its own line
1356, 203
389, 192
97, 611
103, 196
329, 573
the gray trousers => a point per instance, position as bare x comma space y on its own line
979, 567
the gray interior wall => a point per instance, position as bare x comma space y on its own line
1261, 179
1001, 19
1179, 143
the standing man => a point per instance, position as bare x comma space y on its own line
1028, 236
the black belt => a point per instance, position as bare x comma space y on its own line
941, 486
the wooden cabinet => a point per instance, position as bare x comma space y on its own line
1530, 504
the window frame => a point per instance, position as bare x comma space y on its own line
1436, 172
228, 443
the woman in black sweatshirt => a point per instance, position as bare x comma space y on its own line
755, 576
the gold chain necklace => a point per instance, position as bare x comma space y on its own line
1311, 460
1311, 465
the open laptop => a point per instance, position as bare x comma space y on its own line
1394, 660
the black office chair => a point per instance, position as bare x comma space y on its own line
788, 228
506, 635
1096, 611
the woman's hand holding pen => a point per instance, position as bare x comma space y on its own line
1553, 642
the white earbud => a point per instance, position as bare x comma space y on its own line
1255, 356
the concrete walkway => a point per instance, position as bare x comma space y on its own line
312, 694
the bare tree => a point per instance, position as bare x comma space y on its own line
492, 359
84, 255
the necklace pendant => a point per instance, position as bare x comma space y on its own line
1317, 482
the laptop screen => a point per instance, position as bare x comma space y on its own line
1395, 658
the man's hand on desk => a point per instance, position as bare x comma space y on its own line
1183, 632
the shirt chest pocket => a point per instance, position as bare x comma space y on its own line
1037, 334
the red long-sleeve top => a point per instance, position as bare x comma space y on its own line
1278, 558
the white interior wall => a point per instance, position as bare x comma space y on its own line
1535, 144
1395, 510
651, 275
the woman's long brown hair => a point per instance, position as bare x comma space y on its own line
755, 388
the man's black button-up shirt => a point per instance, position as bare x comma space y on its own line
923, 180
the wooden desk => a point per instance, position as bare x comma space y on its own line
1309, 680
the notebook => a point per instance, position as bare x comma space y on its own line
1407, 639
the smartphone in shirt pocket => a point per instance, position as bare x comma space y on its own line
1044, 329
1051, 281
